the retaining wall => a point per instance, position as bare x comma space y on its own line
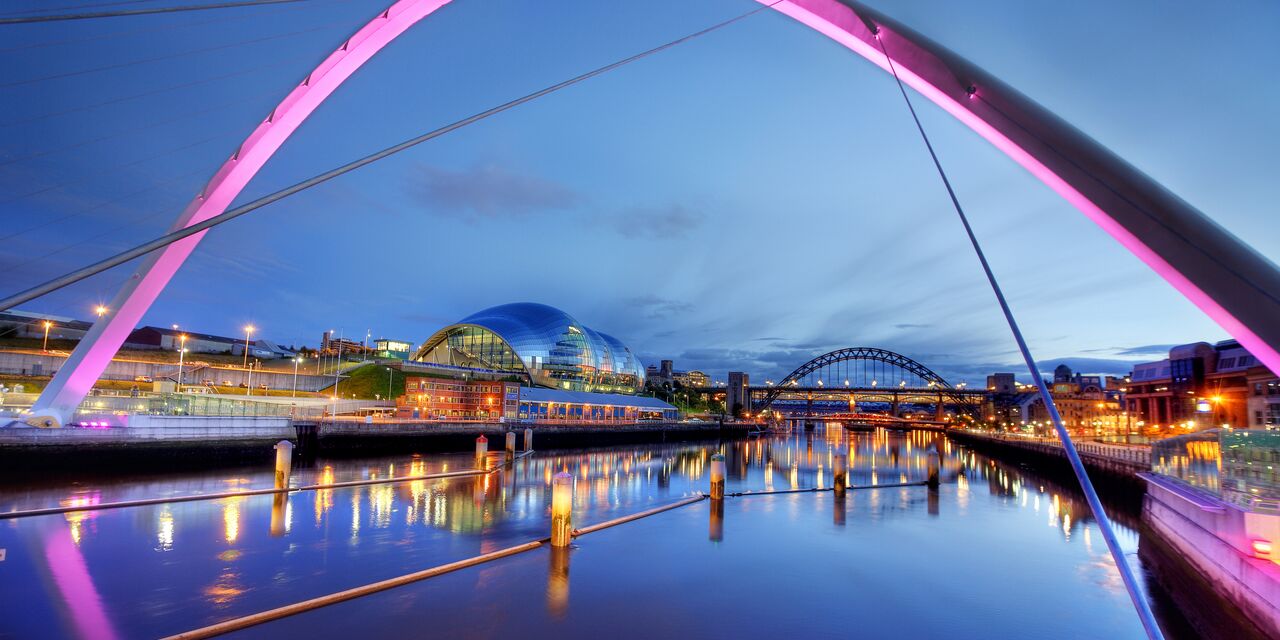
1214, 537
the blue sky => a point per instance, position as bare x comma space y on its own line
743, 201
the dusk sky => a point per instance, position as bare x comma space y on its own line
744, 201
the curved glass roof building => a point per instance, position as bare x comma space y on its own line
542, 344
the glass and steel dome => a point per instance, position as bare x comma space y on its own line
540, 342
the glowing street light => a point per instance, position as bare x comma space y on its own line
100, 310
248, 330
182, 352
296, 362
47, 324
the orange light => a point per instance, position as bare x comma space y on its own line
1262, 548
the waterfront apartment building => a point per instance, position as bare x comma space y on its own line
332, 345
1201, 386
692, 378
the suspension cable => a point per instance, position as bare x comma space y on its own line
170, 238
1091, 495
142, 12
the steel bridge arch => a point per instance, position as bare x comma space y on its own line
1230, 282
848, 354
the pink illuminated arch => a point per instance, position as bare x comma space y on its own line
1235, 286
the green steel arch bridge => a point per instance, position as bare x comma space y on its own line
901, 389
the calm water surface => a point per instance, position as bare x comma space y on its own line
997, 552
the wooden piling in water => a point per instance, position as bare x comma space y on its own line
561, 510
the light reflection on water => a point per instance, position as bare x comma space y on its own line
163, 569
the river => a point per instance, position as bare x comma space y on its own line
999, 551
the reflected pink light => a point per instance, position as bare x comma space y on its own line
71, 574
838, 22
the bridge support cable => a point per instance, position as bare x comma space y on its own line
1091, 495
174, 236
142, 12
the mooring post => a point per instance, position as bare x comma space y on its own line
717, 476
528, 439
934, 469
284, 463
561, 510
838, 474
511, 445
482, 451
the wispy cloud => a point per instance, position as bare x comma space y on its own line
1146, 350
670, 221
488, 191
655, 307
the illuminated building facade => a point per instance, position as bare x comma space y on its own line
542, 345
432, 397
1200, 386
392, 349
528, 362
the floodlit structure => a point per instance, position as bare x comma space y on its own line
542, 345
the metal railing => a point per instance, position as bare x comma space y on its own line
1137, 455
1240, 466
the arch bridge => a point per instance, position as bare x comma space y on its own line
846, 381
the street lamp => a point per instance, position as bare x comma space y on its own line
100, 310
248, 330
182, 351
248, 387
47, 324
390, 374
296, 361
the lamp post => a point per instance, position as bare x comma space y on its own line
337, 369
390, 375
248, 387
47, 324
182, 352
248, 330
296, 361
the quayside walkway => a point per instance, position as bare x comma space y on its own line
1119, 458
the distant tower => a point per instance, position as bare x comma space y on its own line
737, 397
1062, 373
667, 370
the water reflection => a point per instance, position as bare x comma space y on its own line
558, 582
206, 561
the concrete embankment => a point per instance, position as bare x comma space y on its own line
1120, 460
1208, 544
1195, 545
333, 437
164, 442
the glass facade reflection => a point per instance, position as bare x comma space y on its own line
544, 344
